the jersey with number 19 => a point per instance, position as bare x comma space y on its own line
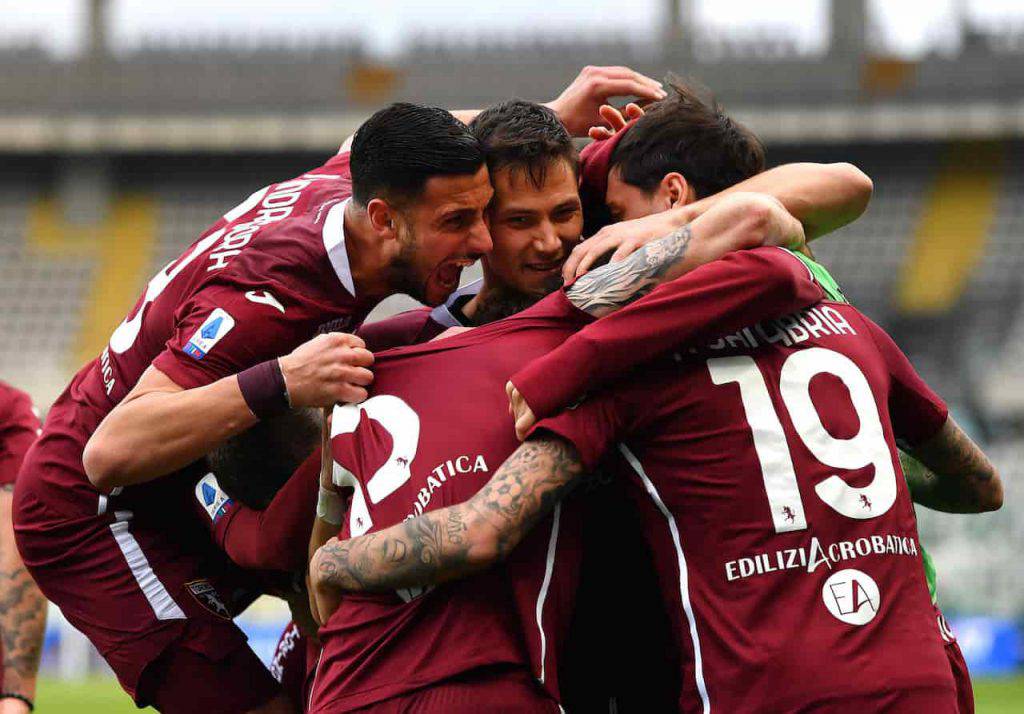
782, 529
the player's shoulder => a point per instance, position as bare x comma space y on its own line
15, 404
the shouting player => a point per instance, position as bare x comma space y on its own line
774, 503
22, 606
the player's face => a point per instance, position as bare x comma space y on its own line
443, 232
533, 227
626, 202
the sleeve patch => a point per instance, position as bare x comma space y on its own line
212, 331
212, 497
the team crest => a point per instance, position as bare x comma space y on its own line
217, 325
206, 595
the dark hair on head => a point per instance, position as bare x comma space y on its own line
397, 149
690, 135
523, 136
252, 466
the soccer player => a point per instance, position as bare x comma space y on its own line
390, 451
22, 606
775, 505
260, 283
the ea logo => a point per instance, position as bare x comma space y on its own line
851, 596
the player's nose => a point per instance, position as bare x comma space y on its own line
479, 241
546, 240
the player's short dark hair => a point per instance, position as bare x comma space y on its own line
691, 135
523, 136
397, 149
252, 466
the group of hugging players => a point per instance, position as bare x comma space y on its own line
653, 470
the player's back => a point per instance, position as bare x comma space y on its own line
431, 435
783, 530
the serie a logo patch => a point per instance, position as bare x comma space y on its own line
212, 331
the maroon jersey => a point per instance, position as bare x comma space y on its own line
401, 456
19, 427
257, 284
776, 511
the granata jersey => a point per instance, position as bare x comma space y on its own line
19, 427
433, 433
774, 505
422, 324
258, 283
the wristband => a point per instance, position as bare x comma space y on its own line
330, 507
20, 697
264, 390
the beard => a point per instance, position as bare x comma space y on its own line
402, 277
504, 301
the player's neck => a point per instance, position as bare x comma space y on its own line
367, 258
495, 302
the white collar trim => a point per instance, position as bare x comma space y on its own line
334, 242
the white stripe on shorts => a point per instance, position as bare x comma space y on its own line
160, 600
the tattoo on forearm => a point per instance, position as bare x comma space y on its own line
615, 285
22, 620
960, 477
461, 539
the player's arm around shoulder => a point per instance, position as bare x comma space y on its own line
953, 473
456, 541
159, 427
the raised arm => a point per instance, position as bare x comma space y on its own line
950, 473
579, 104
823, 197
456, 541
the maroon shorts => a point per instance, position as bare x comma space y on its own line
182, 681
496, 690
135, 585
957, 663
289, 665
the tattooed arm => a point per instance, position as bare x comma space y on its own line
458, 540
949, 472
22, 614
736, 222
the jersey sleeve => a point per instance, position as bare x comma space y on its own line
220, 332
740, 289
275, 538
916, 411
19, 427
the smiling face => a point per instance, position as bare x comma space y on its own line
533, 227
441, 233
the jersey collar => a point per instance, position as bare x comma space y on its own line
446, 315
334, 242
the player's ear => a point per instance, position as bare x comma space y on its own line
677, 189
382, 218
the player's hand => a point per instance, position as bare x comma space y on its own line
299, 605
327, 370
614, 120
766, 221
623, 238
579, 105
520, 411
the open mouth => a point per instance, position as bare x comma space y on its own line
450, 271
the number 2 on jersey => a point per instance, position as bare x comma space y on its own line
867, 447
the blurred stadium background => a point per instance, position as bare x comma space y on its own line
113, 158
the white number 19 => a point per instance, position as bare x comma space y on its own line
867, 447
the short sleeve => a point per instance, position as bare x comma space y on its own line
916, 411
220, 331
19, 427
592, 427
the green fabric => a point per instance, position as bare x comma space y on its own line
823, 278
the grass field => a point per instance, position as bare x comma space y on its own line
102, 696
